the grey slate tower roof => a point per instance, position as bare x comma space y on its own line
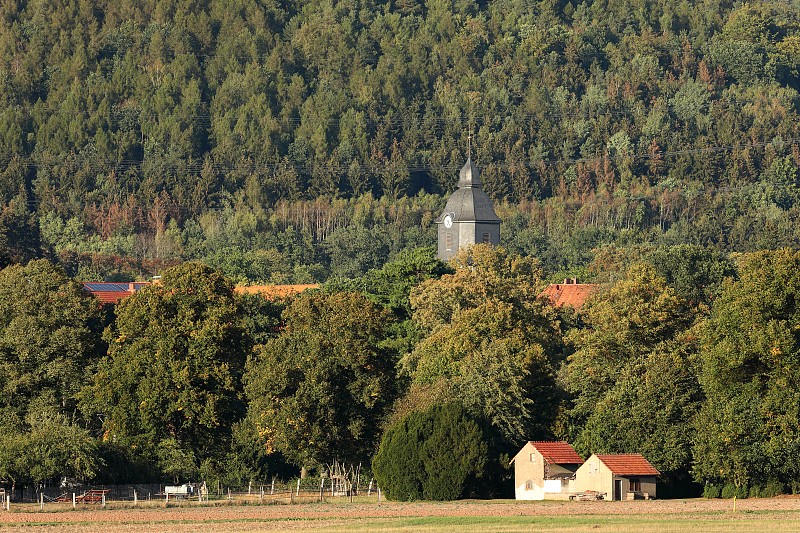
469, 176
469, 203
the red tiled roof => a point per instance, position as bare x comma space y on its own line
275, 291
113, 292
110, 297
572, 294
628, 464
559, 453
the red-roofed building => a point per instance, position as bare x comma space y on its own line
545, 470
274, 292
113, 292
622, 476
569, 293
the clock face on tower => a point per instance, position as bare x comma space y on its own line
448, 221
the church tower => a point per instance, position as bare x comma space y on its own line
468, 217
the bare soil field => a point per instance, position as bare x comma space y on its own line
764, 514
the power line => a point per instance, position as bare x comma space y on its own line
33, 203
251, 166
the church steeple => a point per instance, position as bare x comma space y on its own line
469, 216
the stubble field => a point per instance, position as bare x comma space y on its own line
768, 514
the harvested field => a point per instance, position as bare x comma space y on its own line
764, 514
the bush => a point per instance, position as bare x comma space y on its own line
755, 491
711, 490
732, 491
437, 454
772, 488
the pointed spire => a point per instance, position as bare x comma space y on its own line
469, 176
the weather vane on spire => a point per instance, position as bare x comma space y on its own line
469, 142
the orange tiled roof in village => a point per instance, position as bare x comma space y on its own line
570, 293
275, 291
113, 293
558, 452
628, 464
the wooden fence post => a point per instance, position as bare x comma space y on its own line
41, 501
103, 497
272, 487
135, 498
73, 500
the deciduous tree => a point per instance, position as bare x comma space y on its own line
173, 373
319, 391
747, 430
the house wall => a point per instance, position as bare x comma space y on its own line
552, 470
594, 475
526, 470
648, 484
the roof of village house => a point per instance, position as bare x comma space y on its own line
557, 452
569, 293
628, 464
275, 291
113, 292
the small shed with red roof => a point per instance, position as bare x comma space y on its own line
545, 470
620, 476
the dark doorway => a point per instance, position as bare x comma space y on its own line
617, 489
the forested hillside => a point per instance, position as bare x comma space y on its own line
253, 134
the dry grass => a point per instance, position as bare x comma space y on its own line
768, 514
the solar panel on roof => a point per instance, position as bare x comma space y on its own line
105, 286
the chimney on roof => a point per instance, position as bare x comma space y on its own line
131, 287
574, 281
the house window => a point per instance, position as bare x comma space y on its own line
448, 241
636, 485
533, 457
529, 485
487, 239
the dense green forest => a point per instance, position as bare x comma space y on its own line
253, 135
